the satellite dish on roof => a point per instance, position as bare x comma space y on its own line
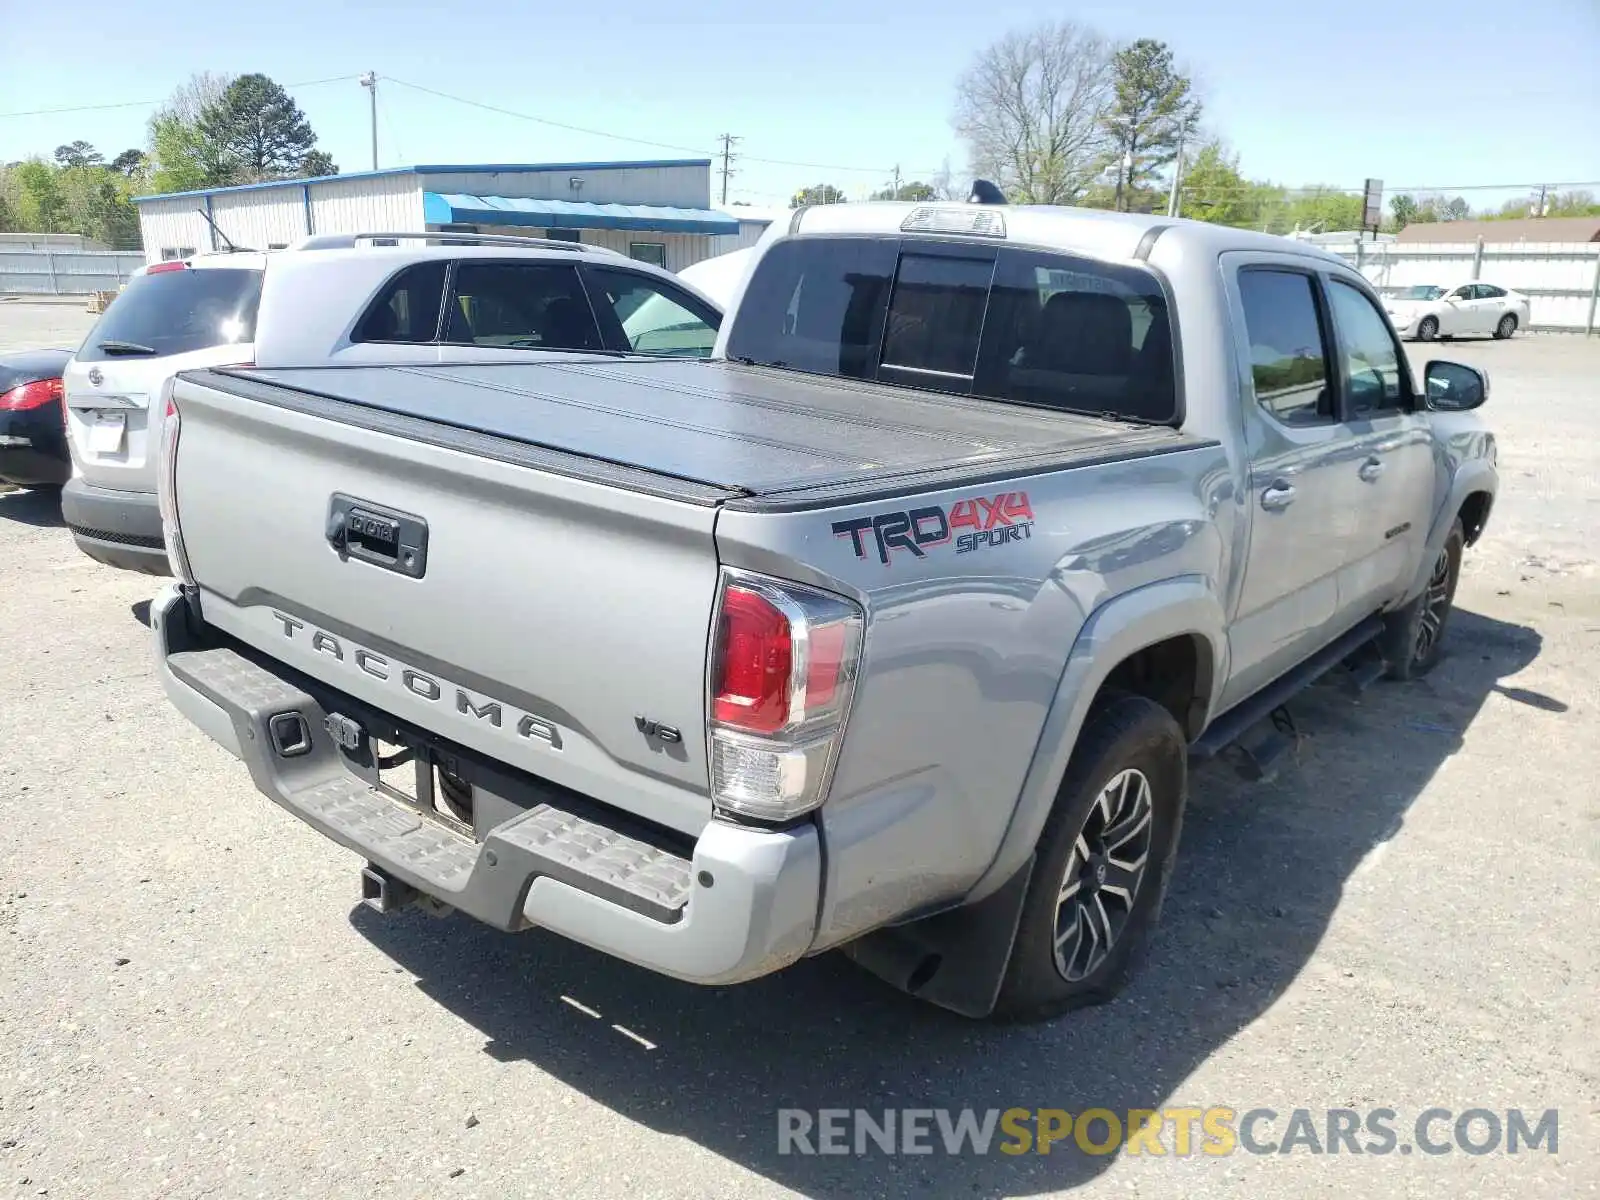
984, 192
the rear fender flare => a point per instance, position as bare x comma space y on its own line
1183, 606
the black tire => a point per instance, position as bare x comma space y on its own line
455, 795
1128, 734
1506, 327
1415, 633
1427, 329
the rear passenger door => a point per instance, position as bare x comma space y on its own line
1391, 451
1304, 491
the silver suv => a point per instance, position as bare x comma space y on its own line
337, 299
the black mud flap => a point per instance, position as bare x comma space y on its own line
956, 959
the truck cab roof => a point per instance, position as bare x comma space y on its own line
1094, 232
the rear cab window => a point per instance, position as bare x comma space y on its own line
176, 311
1003, 323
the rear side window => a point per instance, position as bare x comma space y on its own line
1288, 364
407, 309
176, 311
520, 306
1000, 323
652, 317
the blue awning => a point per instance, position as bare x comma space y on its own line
453, 209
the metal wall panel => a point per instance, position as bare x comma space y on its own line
51, 272
259, 220
173, 224
684, 187
750, 232
373, 204
682, 248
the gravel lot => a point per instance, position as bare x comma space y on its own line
192, 1003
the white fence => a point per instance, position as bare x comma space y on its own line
52, 272
1560, 279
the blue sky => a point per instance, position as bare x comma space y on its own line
1447, 94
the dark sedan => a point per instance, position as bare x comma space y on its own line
33, 431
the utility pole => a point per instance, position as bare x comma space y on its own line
1177, 176
895, 195
369, 80
1539, 212
727, 162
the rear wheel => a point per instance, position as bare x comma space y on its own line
1427, 329
1102, 864
1414, 634
1506, 327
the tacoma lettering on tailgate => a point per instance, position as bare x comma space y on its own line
988, 520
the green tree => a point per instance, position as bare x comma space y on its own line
1214, 190
908, 191
1322, 209
129, 163
1030, 107
78, 154
179, 157
317, 163
256, 126
819, 193
1404, 208
41, 204
1153, 108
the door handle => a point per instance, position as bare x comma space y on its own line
1278, 496
1371, 470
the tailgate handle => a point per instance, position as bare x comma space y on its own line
380, 536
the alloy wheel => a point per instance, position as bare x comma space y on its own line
1105, 869
1435, 604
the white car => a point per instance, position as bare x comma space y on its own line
721, 277
1426, 312
336, 299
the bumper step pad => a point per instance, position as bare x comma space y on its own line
489, 881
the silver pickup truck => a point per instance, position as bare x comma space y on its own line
891, 628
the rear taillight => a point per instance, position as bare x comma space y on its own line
783, 666
158, 268
32, 395
167, 489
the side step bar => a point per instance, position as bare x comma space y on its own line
1238, 721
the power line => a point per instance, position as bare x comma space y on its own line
622, 137
495, 108
45, 112
394, 138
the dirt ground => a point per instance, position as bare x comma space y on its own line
192, 1002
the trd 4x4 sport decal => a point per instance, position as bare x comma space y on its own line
988, 521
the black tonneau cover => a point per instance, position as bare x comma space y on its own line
749, 431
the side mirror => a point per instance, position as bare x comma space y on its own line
1455, 387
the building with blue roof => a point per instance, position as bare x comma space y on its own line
658, 211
